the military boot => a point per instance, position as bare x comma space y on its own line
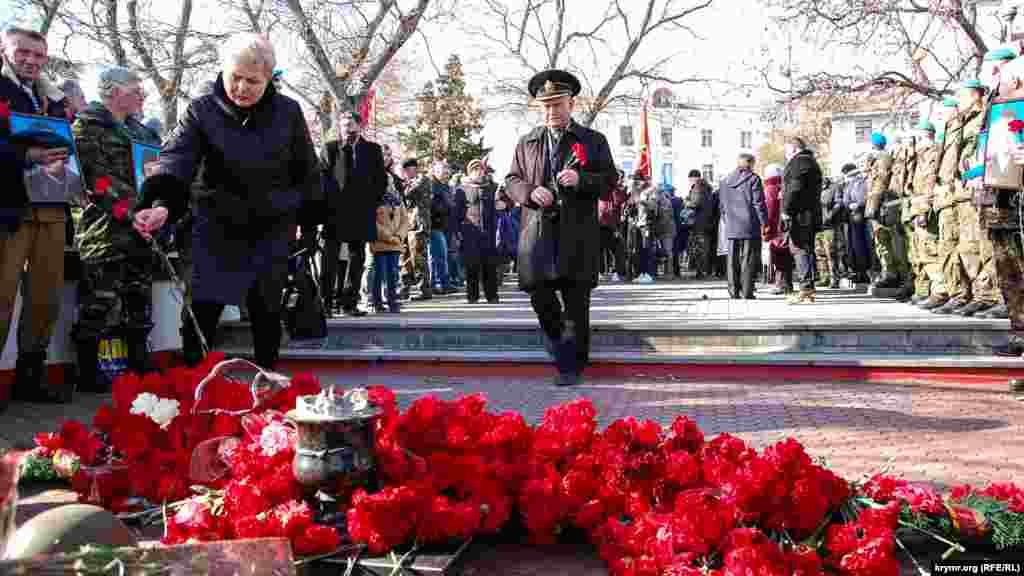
823, 282
887, 281
1014, 347
918, 300
951, 306
973, 308
834, 284
934, 301
995, 313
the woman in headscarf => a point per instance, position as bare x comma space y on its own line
259, 170
781, 261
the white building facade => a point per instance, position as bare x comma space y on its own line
851, 131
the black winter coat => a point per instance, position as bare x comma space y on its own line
802, 185
564, 245
350, 215
259, 170
480, 219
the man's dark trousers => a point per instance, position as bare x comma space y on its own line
801, 246
743, 253
350, 280
564, 313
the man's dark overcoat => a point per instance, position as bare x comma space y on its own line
563, 245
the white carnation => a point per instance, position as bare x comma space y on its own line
159, 410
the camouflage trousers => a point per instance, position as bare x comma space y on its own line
697, 252
115, 295
890, 250
827, 252
1008, 258
928, 271
949, 256
976, 251
415, 270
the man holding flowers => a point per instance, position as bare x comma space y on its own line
559, 172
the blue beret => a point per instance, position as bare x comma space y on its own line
950, 102
878, 139
973, 84
999, 54
926, 126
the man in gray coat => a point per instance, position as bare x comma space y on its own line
745, 217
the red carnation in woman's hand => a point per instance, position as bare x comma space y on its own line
580, 152
103, 184
1016, 126
121, 209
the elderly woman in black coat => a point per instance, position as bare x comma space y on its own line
259, 170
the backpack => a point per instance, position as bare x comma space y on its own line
304, 314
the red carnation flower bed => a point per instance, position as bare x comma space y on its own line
654, 501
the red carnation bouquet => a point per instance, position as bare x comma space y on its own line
1016, 127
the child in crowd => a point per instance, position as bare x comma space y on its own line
392, 227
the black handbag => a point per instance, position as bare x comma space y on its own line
304, 314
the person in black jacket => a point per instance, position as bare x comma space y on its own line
356, 179
801, 213
479, 233
260, 170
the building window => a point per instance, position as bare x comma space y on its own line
666, 136
862, 130
666, 174
746, 140
708, 172
705, 138
626, 135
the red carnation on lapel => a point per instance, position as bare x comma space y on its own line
5, 109
1016, 126
103, 183
580, 152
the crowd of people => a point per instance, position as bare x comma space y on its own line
240, 192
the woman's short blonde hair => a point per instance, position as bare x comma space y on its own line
249, 49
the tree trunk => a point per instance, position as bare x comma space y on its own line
169, 105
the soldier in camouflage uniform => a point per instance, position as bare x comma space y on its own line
115, 291
886, 242
901, 186
930, 290
958, 220
418, 195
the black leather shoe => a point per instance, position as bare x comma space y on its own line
973, 308
949, 307
918, 300
890, 281
834, 284
995, 313
568, 379
1014, 348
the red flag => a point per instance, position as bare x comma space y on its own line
644, 165
367, 107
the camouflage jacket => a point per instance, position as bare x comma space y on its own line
879, 178
926, 160
418, 196
105, 230
898, 181
974, 122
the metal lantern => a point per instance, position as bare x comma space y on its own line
334, 448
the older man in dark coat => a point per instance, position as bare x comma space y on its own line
802, 182
745, 217
558, 173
